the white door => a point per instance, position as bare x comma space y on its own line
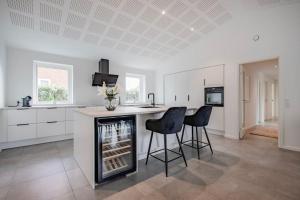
242, 102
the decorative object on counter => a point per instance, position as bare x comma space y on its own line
110, 94
26, 101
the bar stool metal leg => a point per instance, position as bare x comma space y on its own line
197, 143
192, 136
182, 136
208, 140
166, 154
149, 147
180, 149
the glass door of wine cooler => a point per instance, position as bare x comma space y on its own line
115, 148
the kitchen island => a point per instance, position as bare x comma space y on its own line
111, 142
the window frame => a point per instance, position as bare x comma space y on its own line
67, 67
142, 78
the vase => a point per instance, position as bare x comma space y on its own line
111, 104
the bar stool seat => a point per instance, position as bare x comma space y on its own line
170, 123
199, 119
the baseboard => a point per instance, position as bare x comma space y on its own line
8, 145
289, 148
215, 132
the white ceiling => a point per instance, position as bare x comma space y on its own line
131, 28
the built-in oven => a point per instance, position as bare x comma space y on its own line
214, 96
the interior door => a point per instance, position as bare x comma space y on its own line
242, 102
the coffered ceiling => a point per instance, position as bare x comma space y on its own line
155, 29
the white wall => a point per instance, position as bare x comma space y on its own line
2, 73
20, 75
232, 45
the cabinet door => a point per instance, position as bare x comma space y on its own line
51, 114
196, 88
216, 120
21, 116
21, 132
51, 129
69, 127
170, 90
213, 76
181, 88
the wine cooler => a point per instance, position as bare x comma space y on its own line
115, 147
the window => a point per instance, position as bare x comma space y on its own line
135, 88
53, 83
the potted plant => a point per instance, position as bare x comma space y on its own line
110, 95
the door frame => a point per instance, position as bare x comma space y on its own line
280, 100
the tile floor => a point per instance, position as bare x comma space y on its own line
253, 168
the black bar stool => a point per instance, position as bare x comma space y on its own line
170, 123
199, 119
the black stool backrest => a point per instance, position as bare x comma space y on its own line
173, 120
201, 117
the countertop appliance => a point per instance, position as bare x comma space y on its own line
115, 147
26, 101
214, 96
103, 75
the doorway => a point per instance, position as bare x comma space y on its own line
259, 98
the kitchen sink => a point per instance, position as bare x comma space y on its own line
149, 106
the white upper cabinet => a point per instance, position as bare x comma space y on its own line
181, 89
170, 92
214, 76
195, 88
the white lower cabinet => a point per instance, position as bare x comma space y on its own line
216, 120
69, 127
51, 129
21, 132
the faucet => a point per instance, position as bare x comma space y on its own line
153, 98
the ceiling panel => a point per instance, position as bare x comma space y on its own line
25, 6
91, 38
133, 7
103, 14
71, 33
21, 20
48, 27
204, 5
96, 27
57, 2
81, 6
75, 21
133, 26
122, 21
50, 13
113, 3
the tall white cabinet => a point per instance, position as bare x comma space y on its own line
187, 89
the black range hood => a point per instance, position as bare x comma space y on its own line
103, 75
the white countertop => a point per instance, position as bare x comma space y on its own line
100, 111
44, 106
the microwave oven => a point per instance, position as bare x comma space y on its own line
214, 96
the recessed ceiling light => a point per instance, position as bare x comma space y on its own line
192, 29
275, 66
163, 12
